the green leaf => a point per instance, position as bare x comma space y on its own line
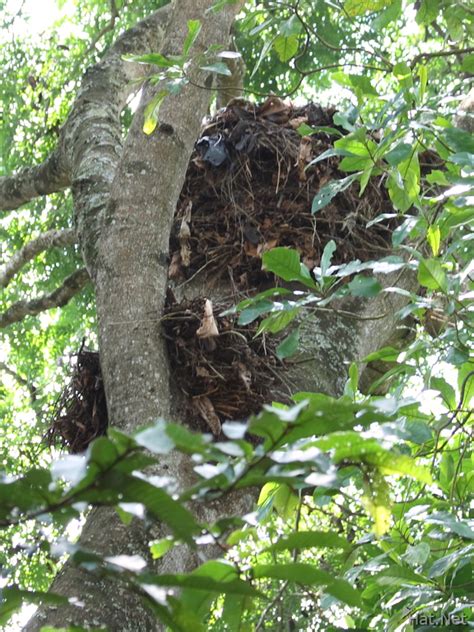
308, 575
285, 501
219, 67
249, 314
364, 286
153, 58
155, 438
309, 539
278, 321
194, 28
329, 191
433, 236
354, 376
398, 154
460, 140
156, 500
13, 598
286, 47
306, 130
151, 111
432, 275
329, 250
285, 263
359, 7
263, 53
428, 11
160, 547
289, 345
404, 183
292, 26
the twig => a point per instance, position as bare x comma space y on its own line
59, 297
52, 238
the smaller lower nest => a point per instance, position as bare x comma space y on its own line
224, 372
80, 414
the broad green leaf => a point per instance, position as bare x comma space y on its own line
249, 314
286, 47
194, 28
377, 502
309, 575
285, 263
285, 501
460, 140
329, 191
292, 26
404, 183
151, 112
277, 321
433, 236
309, 539
219, 67
432, 275
398, 154
156, 500
417, 555
398, 576
306, 130
359, 7
155, 438
364, 286
289, 345
329, 250
13, 598
427, 11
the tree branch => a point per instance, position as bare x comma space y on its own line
441, 53
94, 114
59, 297
21, 380
48, 177
52, 238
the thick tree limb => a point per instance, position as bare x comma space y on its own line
29, 183
52, 238
94, 116
59, 297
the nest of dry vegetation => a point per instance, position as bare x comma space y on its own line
248, 189
224, 371
80, 414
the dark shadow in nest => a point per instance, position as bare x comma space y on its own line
80, 414
249, 188
224, 371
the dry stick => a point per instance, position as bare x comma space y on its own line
59, 297
52, 238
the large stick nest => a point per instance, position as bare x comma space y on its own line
249, 188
